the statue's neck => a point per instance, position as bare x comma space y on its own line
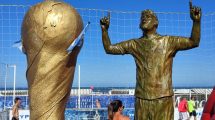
149, 34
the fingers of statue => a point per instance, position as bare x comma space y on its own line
195, 13
105, 22
109, 15
191, 4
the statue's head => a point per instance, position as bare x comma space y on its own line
148, 20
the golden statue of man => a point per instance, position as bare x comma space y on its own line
153, 56
48, 29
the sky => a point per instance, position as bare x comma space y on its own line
128, 5
191, 68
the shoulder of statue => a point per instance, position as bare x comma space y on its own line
161, 36
166, 36
132, 40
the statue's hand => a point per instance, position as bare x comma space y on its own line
195, 12
105, 22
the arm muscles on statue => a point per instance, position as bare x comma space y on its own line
119, 48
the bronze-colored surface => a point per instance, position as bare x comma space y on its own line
153, 54
48, 29
158, 109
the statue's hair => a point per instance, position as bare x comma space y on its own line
149, 12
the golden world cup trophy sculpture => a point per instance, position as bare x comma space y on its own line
52, 37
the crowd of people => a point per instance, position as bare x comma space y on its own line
187, 109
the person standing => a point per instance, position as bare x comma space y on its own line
15, 109
98, 104
183, 108
153, 55
191, 107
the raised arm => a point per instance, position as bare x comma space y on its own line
119, 48
183, 43
105, 22
195, 14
